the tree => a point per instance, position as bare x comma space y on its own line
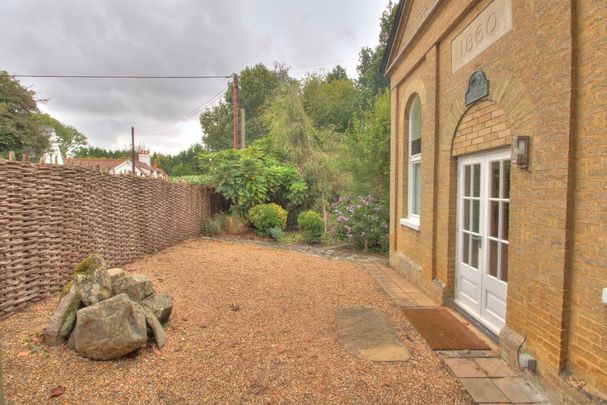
370, 77
366, 156
331, 101
183, 164
257, 86
19, 131
69, 138
100, 153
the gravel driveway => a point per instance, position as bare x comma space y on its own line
250, 325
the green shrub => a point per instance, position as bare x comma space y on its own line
267, 216
311, 226
214, 225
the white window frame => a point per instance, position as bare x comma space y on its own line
413, 219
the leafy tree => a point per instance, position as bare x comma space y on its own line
19, 131
366, 155
183, 164
338, 73
370, 77
250, 177
69, 137
331, 101
257, 85
101, 153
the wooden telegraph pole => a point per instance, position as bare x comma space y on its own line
133, 149
235, 105
243, 132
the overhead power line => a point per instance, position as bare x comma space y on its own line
120, 77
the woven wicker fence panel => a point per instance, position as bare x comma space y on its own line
51, 217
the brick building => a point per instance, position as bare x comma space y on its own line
519, 246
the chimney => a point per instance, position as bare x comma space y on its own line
144, 156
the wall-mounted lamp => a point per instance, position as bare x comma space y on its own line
520, 151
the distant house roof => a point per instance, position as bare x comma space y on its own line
104, 164
110, 164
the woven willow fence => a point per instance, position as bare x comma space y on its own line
51, 217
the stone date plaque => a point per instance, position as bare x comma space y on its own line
478, 87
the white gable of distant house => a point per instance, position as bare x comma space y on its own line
125, 168
53, 153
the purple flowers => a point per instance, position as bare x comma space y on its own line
362, 220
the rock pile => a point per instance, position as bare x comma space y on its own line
104, 314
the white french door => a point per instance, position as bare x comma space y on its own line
481, 270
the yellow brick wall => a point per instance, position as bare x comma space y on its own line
558, 234
587, 335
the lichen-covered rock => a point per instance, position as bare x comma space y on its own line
90, 264
54, 334
155, 327
94, 287
136, 286
92, 281
161, 306
115, 273
110, 329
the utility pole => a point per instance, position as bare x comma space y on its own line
243, 132
235, 105
133, 149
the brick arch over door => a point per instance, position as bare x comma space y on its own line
482, 127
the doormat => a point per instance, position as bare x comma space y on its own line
442, 330
368, 335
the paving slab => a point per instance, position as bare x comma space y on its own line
518, 390
496, 367
367, 334
464, 368
483, 390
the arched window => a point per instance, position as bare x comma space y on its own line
415, 163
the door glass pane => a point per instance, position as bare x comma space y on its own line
474, 253
477, 181
504, 266
495, 179
466, 224
505, 219
467, 180
466, 248
506, 180
476, 215
494, 218
416, 187
493, 246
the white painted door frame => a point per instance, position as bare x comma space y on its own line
481, 266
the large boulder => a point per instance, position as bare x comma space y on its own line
110, 329
136, 286
92, 280
161, 306
61, 322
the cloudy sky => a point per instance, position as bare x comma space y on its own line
168, 37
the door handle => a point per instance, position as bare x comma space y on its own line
479, 239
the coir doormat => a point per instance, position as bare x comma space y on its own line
442, 330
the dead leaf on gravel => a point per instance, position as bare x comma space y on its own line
23, 354
257, 388
57, 391
235, 307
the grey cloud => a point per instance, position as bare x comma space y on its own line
157, 37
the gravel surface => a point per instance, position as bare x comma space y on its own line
249, 325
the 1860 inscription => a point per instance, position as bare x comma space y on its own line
490, 25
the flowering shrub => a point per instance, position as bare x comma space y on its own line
363, 221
